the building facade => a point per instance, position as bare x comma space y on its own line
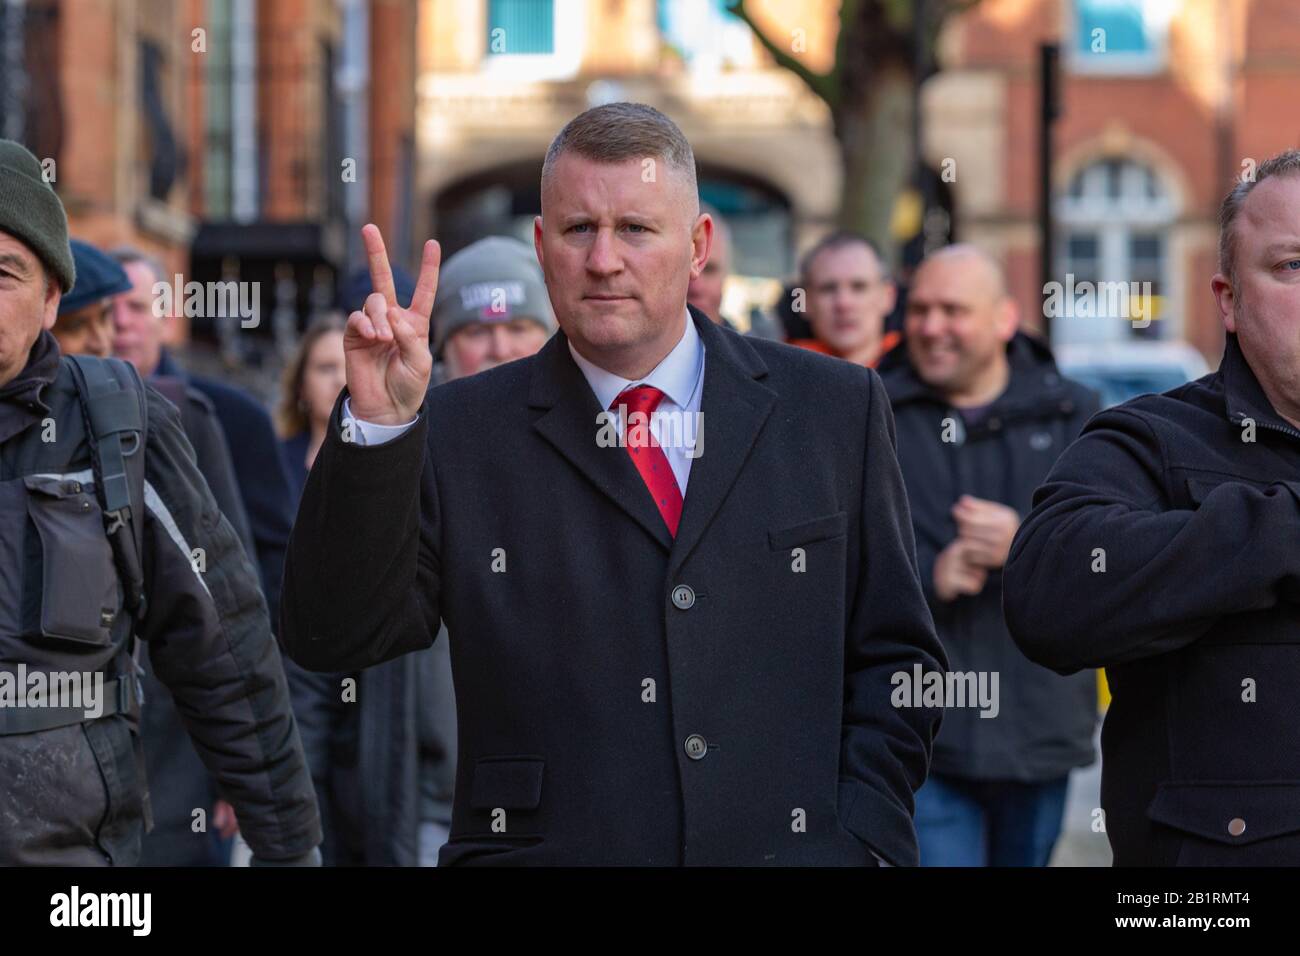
1164, 103
243, 140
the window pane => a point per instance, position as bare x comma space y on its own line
1122, 25
527, 26
1145, 250
1082, 247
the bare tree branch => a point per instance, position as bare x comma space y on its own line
821, 84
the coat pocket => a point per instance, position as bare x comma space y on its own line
807, 532
80, 595
1232, 823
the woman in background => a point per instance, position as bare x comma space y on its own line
312, 382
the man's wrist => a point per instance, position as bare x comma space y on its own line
389, 418
359, 431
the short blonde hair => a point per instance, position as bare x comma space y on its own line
617, 132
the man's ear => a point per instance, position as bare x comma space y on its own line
1009, 319
701, 243
50, 306
537, 242
1225, 299
889, 293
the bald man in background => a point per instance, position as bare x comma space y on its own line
705, 291
982, 414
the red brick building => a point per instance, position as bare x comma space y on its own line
1164, 103
244, 139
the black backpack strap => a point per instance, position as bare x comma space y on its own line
113, 404
116, 412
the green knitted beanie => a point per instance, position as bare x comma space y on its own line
30, 210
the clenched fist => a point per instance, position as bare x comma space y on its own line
385, 346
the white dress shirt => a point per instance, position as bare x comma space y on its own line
680, 376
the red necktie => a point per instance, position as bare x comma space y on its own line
646, 454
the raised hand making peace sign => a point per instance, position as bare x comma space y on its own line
386, 346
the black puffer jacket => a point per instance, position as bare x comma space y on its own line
1044, 723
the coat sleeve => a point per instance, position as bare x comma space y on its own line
1169, 573
927, 553
210, 643
885, 749
362, 577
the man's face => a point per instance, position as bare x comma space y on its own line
1263, 307
86, 331
137, 332
705, 290
480, 346
27, 304
849, 296
958, 321
618, 253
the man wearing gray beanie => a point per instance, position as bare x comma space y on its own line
112, 535
491, 307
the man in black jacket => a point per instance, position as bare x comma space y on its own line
1164, 547
73, 592
982, 413
647, 672
179, 783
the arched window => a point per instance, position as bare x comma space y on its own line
1114, 223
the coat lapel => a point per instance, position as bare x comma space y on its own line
734, 406
569, 423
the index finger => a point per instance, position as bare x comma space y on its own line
381, 275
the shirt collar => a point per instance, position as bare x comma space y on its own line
675, 376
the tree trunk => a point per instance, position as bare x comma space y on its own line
874, 130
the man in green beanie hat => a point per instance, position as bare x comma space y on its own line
35, 258
111, 534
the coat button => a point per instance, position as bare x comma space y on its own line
683, 597
696, 747
1236, 826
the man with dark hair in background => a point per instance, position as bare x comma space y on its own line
848, 294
